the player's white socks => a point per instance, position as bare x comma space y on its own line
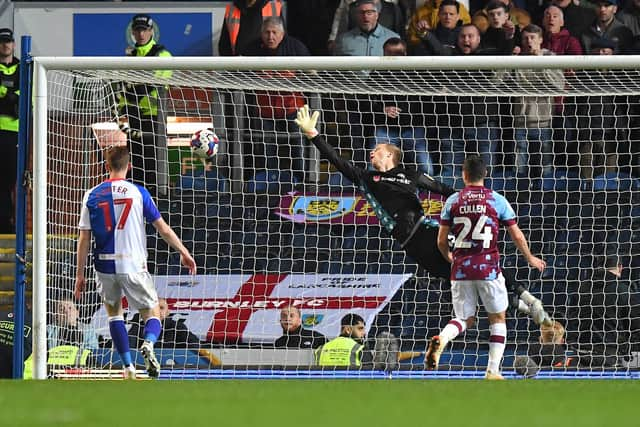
497, 340
454, 328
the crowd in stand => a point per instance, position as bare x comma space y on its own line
528, 130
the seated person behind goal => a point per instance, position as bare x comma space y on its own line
293, 334
348, 349
65, 328
175, 334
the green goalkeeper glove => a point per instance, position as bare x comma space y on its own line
307, 122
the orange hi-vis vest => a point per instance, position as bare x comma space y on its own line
232, 18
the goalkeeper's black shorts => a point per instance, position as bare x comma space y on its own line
423, 248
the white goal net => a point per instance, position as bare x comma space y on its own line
283, 240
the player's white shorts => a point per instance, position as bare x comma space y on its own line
137, 287
464, 294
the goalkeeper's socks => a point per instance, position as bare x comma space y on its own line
497, 340
120, 338
152, 329
454, 328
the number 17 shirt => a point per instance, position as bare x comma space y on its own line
475, 215
115, 211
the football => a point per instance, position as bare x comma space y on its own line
204, 143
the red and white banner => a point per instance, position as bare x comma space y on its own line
246, 308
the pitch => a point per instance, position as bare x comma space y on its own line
306, 403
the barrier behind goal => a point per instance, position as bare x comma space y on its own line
270, 223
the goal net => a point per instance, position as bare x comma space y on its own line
284, 241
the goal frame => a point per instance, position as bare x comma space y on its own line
43, 64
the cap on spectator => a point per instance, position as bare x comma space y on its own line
6, 35
603, 43
141, 21
376, 3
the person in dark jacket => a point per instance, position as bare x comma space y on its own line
604, 312
293, 334
401, 119
446, 32
608, 25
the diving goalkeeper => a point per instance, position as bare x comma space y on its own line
391, 191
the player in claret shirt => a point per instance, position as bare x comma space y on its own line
475, 215
115, 212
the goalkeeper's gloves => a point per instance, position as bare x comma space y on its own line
3, 91
307, 122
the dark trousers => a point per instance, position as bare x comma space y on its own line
9, 156
145, 152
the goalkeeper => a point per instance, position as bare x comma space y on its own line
391, 191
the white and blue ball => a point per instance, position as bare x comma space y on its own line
205, 143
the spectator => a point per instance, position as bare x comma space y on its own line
400, 119
604, 314
426, 17
446, 32
310, 22
553, 351
243, 23
66, 328
393, 15
141, 113
276, 109
576, 18
550, 351
175, 334
9, 97
533, 114
603, 120
518, 17
69, 341
607, 25
468, 124
7, 326
630, 16
293, 334
558, 39
347, 349
502, 33
368, 37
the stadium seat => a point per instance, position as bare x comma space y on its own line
271, 182
199, 180
612, 181
336, 179
502, 181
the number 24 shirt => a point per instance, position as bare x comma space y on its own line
115, 211
475, 215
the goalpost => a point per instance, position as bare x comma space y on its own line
271, 224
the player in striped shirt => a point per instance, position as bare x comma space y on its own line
474, 216
114, 212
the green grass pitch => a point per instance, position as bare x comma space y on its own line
327, 403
